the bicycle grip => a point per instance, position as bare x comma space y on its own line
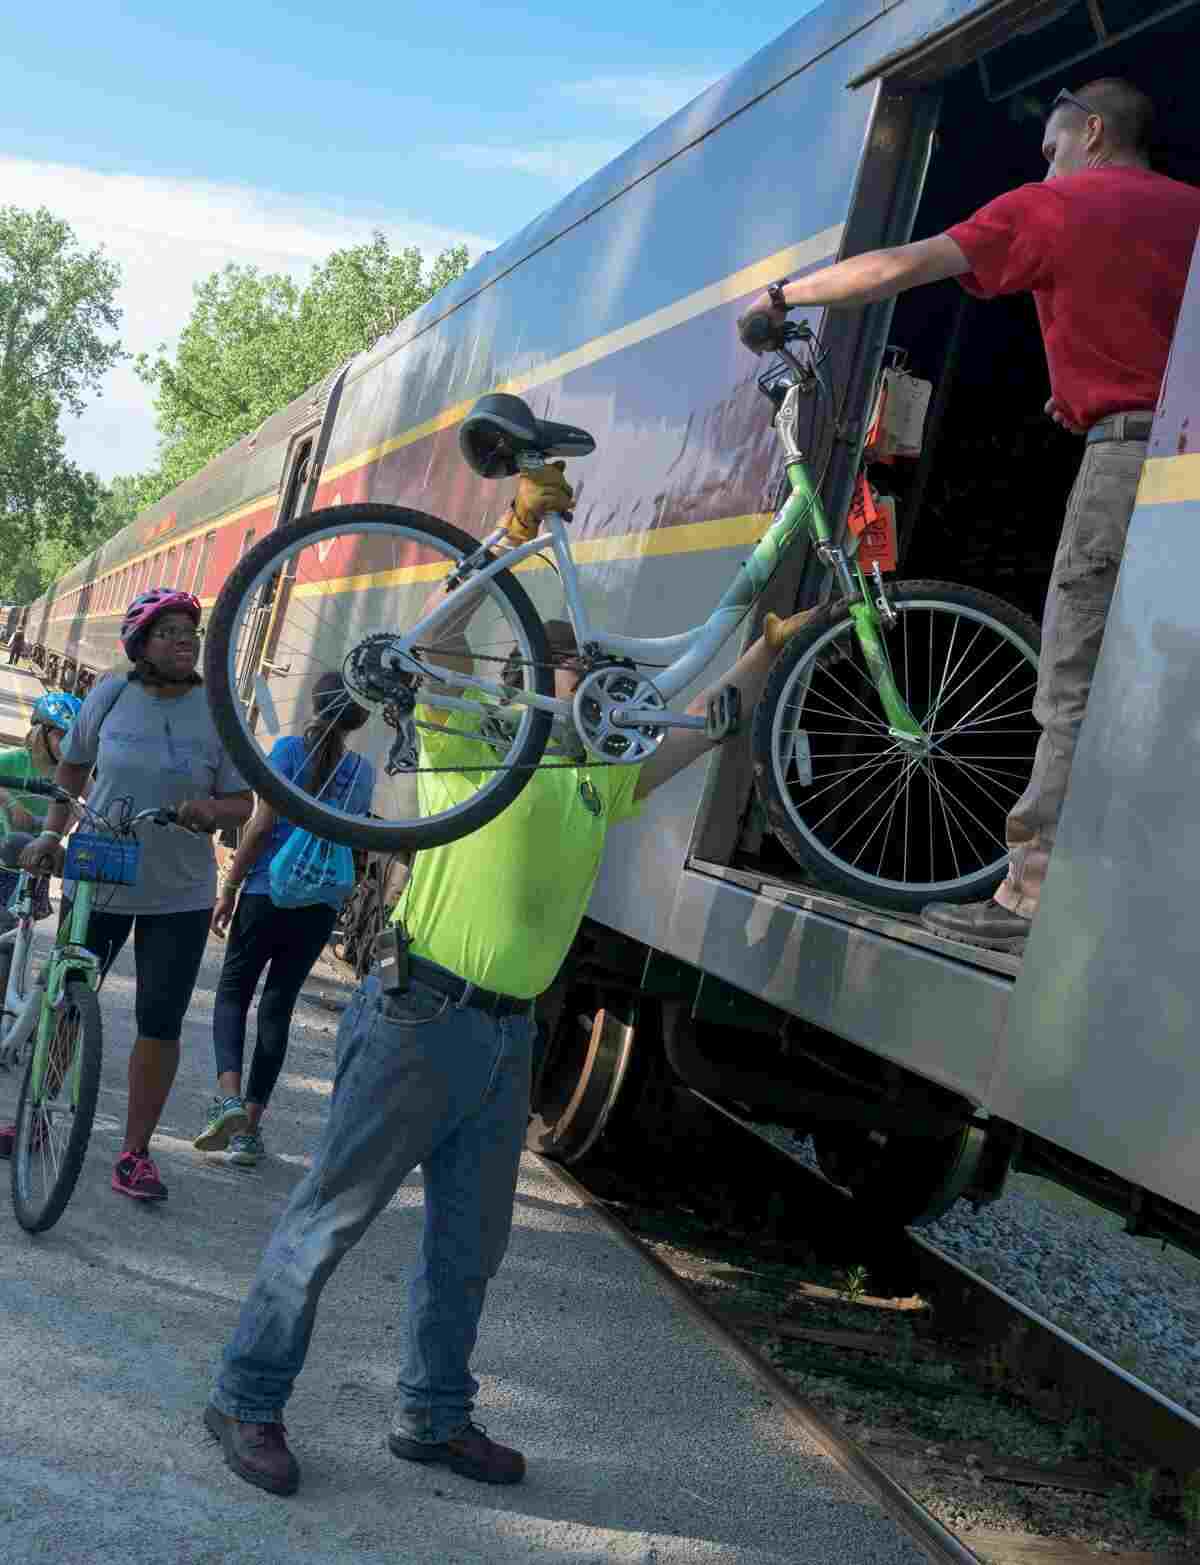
758, 332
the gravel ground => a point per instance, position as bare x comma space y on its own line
645, 1443
1134, 1300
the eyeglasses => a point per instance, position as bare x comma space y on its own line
182, 638
1076, 103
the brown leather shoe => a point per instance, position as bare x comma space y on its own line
469, 1452
256, 1452
984, 924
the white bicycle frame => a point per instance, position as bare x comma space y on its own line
689, 652
22, 999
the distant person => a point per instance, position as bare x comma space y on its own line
150, 737
1104, 245
282, 941
16, 647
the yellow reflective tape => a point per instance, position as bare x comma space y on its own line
757, 276
726, 532
1166, 480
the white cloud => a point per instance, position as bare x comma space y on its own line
166, 235
563, 162
651, 98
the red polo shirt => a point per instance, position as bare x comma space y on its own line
1105, 254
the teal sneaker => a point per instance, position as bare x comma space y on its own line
226, 1118
246, 1149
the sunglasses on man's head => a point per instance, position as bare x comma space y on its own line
1076, 103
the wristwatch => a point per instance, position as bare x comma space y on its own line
775, 294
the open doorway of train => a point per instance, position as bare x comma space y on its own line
983, 504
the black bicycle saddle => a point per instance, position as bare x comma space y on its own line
500, 428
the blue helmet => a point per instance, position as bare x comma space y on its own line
57, 710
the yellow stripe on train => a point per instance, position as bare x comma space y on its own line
726, 532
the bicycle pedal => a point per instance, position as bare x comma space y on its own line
724, 714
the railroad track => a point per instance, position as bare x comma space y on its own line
988, 1339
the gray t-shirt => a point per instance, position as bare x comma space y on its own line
154, 751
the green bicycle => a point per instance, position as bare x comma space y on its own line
54, 1024
893, 737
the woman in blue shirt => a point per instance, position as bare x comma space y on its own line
283, 941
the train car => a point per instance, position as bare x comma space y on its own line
922, 1068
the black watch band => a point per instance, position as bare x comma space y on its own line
775, 294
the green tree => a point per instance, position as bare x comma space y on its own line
255, 341
56, 311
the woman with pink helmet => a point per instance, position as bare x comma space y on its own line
149, 737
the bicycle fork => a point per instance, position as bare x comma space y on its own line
868, 616
68, 962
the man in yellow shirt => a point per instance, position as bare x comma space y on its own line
438, 1075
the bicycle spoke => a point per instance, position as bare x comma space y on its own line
957, 727
875, 767
966, 766
937, 700
936, 786
967, 810
870, 804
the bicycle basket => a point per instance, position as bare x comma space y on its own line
107, 861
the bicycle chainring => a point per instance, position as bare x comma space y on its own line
601, 695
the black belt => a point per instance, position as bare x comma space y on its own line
1121, 426
463, 993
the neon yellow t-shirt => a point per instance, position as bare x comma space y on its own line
501, 907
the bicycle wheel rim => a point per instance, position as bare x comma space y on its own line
880, 784
343, 585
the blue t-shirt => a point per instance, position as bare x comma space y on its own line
349, 789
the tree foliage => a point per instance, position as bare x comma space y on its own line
257, 340
56, 311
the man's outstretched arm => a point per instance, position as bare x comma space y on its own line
682, 746
877, 274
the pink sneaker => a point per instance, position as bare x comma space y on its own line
136, 1175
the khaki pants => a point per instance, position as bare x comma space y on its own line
1081, 588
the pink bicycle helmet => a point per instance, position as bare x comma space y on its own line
149, 606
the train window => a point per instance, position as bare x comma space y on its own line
168, 574
246, 543
185, 564
202, 564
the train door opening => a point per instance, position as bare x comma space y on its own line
983, 503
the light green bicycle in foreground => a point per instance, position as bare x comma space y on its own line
892, 740
51, 1024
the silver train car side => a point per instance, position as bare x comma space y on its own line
923, 1069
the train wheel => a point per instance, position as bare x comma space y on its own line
583, 1072
900, 1179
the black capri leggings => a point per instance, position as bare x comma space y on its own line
168, 949
290, 940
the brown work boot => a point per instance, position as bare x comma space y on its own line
256, 1452
469, 1452
984, 924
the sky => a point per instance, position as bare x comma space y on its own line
270, 135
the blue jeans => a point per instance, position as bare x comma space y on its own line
419, 1080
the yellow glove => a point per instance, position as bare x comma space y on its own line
778, 632
538, 494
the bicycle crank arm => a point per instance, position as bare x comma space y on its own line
653, 717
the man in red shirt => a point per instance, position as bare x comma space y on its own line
1104, 245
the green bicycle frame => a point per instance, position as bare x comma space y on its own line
69, 959
863, 612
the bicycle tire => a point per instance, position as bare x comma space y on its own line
822, 866
33, 1217
301, 808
